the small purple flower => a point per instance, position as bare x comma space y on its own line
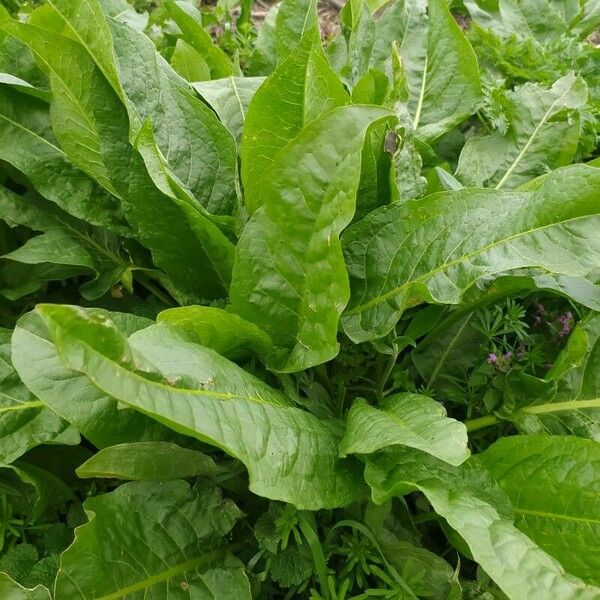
508, 355
566, 320
492, 358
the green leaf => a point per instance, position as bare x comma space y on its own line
11, 590
290, 454
188, 20
24, 87
184, 238
296, 22
30, 146
67, 243
302, 89
222, 331
543, 134
159, 461
154, 539
200, 151
230, 99
554, 486
473, 505
587, 19
73, 397
441, 68
436, 248
24, 420
358, 29
82, 101
411, 420
188, 63
289, 276
263, 58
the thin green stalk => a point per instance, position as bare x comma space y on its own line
538, 409
145, 282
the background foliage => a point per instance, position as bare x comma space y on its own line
299, 305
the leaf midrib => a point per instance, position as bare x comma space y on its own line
523, 151
555, 516
395, 291
166, 575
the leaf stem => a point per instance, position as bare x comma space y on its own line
538, 409
144, 281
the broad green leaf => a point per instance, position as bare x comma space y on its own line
121, 10
230, 99
200, 151
73, 397
302, 89
450, 86
474, 506
543, 134
54, 246
553, 483
441, 68
30, 146
24, 420
11, 590
290, 454
436, 248
222, 331
152, 540
82, 100
149, 461
84, 21
289, 277
188, 63
183, 237
523, 19
188, 20
411, 420
296, 22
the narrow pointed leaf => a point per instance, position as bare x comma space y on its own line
188, 21
157, 461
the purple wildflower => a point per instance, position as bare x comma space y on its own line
492, 358
508, 355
